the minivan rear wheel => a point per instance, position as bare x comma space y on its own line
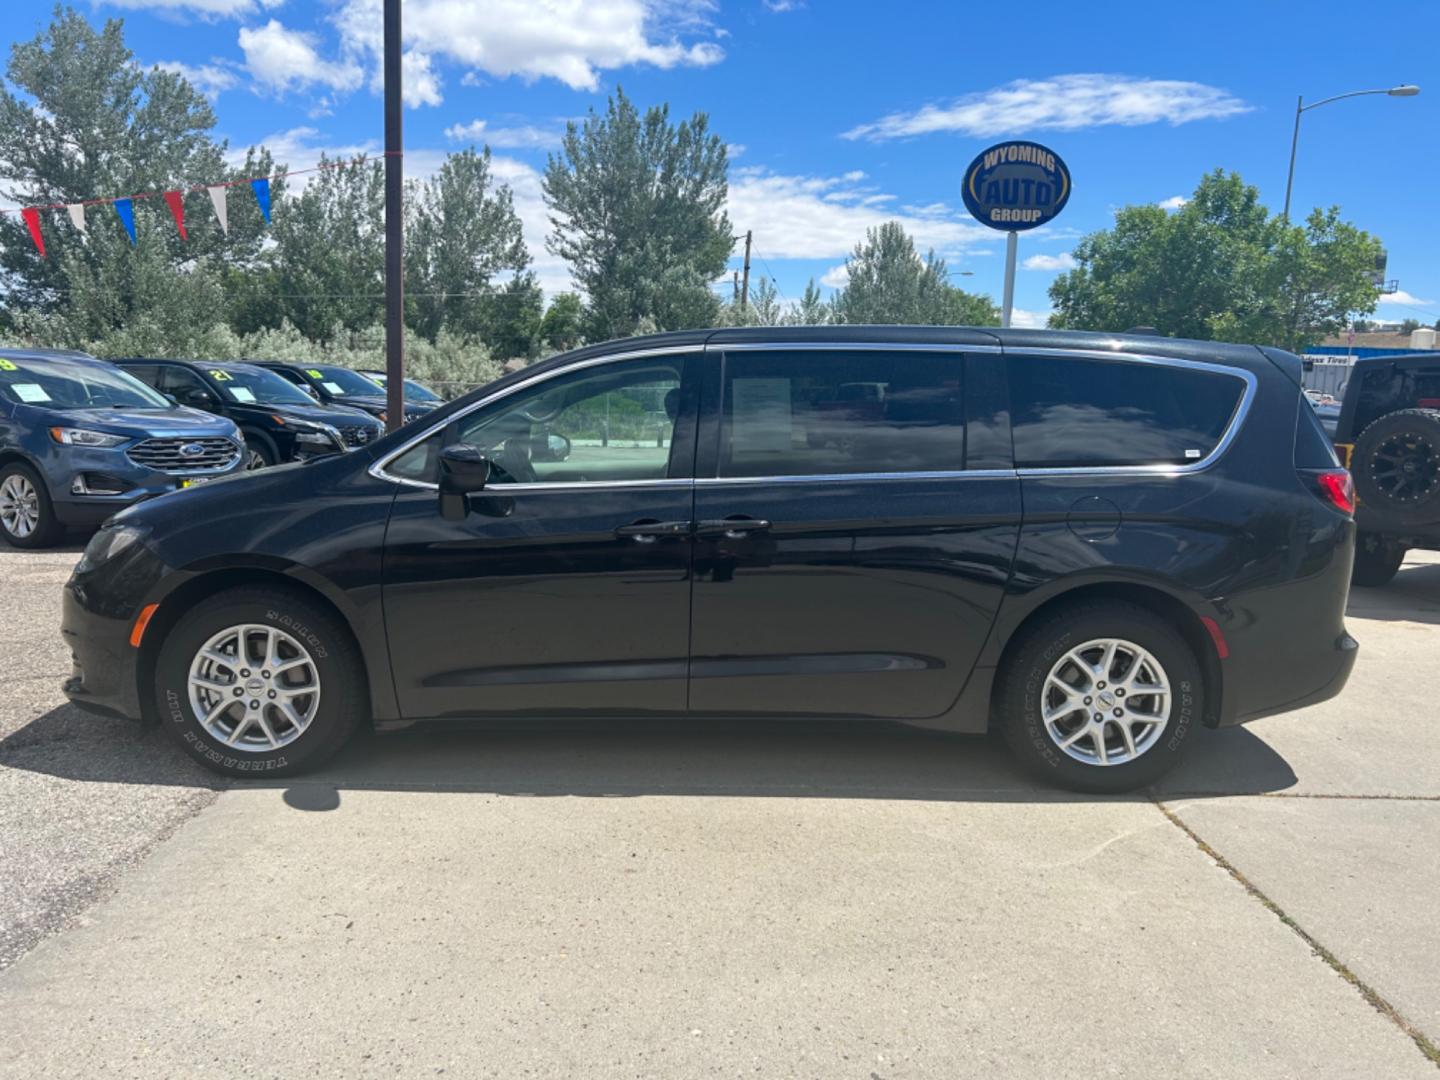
27, 515
1100, 696
259, 681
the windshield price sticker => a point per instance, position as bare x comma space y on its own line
6, 365
1016, 185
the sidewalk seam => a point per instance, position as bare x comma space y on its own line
1368, 992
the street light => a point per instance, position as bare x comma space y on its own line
1300, 107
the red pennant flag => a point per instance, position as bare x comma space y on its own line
32, 222
176, 202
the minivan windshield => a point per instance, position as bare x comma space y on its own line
342, 382
256, 386
54, 382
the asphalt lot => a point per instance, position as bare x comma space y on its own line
635, 899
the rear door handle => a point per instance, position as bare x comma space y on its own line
732, 528
648, 530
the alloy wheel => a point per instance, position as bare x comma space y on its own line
254, 460
19, 506
254, 688
1106, 702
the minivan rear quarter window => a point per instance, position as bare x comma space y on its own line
817, 413
1080, 412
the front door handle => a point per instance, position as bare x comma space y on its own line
735, 527
648, 530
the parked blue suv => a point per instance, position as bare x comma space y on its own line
81, 439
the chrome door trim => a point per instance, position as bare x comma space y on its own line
850, 478
377, 469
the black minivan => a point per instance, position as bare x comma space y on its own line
1094, 543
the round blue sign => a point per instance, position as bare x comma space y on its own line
1016, 185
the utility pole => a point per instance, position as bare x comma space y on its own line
735, 283
394, 225
745, 280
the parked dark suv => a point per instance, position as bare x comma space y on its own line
1388, 434
1095, 543
279, 421
331, 384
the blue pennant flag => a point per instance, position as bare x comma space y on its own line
262, 196
126, 209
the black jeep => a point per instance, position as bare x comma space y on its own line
1388, 435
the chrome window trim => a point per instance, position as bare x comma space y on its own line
377, 469
1227, 437
1237, 418
850, 478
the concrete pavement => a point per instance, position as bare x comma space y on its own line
636, 899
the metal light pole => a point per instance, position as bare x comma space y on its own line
1300, 107
394, 225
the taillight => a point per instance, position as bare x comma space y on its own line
1336, 487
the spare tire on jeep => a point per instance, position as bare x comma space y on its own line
1396, 464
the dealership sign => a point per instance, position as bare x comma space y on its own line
1016, 185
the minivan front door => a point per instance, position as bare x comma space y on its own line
846, 562
566, 589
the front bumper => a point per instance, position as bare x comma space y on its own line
123, 482
104, 668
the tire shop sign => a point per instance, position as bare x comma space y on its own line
1014, 186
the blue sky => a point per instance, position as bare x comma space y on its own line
843, 115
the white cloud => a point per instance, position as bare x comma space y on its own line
569, 40
210, 79
553, 272
516, 137
1174, 202
203, 8
824, 217
282, 59
419, 85
1402, 298
837, 277
1064, 261
1029, 320
783, 5
1060, 103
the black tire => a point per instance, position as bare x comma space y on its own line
343, 702
1396, 464
260, 452
47, 528
1022, 689
1377, 560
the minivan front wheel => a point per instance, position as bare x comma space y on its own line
257, 681
1100, 697
27, 516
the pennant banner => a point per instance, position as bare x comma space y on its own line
262, 196
176, 202
126, 209
32, 222
77, 215
217, 200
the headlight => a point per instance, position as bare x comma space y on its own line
71, 436
107, 543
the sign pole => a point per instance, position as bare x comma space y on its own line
1012, 239
394, 224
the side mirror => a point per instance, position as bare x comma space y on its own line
555, 448
463, 470
197, 398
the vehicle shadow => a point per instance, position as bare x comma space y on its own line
1413, 595
618, 758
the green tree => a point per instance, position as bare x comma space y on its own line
812, 310
637, 208
81, 120
513, 314
1409, 326
1220, 267
890, 283
329, 258
461, 233
560, 327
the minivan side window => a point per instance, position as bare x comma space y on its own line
610, 422
1076, 412
841, 412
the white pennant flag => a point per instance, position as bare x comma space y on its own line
77, 215
217, 199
